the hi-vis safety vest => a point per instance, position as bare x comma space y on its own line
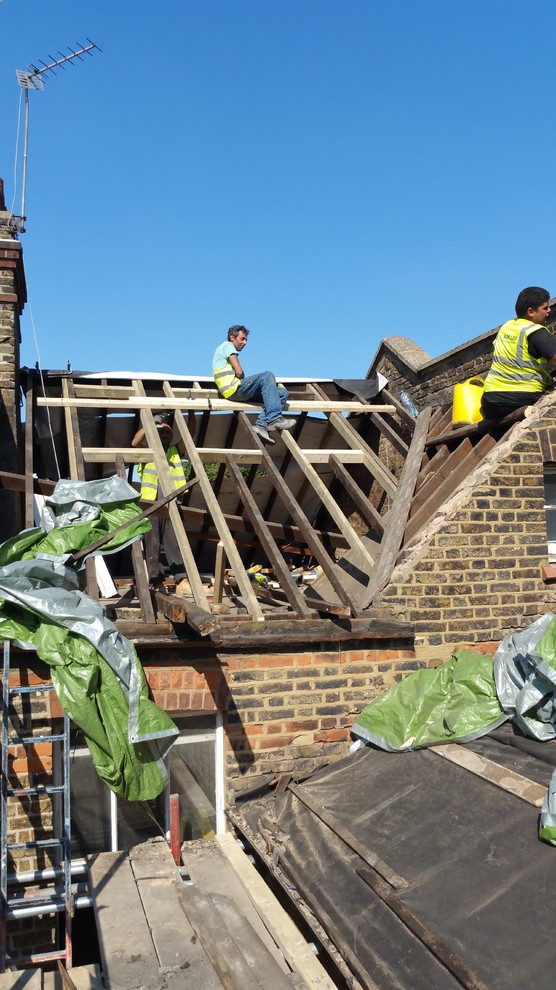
149, 475
513, 368
226, 380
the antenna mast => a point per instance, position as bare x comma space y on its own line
34, 77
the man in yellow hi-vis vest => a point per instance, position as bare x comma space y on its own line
162, 532
524, 357
232, 384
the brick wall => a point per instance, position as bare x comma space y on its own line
286, 710
477, 576
13, 295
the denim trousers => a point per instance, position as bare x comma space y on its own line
262, 388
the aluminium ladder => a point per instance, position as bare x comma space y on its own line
52, 893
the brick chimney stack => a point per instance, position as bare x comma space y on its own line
13, 296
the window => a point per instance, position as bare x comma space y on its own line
101, 821
550, 509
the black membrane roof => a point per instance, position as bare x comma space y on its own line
460, 853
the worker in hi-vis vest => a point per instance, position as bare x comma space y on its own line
524, 357
162, 533
261, 388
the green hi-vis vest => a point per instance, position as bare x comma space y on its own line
149, 475
226, 380
513, 368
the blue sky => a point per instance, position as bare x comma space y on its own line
326, 172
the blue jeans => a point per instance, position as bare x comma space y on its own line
262, 388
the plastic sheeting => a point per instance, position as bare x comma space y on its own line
76, 515
525, 673
455, 702
471, 695
95, 670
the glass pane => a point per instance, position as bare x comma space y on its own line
139, 821
90, 807
550, 485
192, 777
551, 523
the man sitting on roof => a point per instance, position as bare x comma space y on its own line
231, 383
524, 357
162, 532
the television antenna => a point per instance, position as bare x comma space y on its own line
34, 77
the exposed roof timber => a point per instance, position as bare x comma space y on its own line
276, 495
200, 404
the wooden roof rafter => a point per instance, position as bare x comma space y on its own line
276, 523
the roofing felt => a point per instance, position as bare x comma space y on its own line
452, 853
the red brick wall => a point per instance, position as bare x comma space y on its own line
284, 711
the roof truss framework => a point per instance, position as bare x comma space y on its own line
349, 488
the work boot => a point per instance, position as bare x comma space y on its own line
282, 423
263, 433
183, 587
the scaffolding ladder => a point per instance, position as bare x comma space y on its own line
52, 893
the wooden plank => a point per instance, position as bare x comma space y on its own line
365, 561
206, 403
152, 509
139, 564
202, 621
219, 571
287, 936
399, 512
167, 486
172, 607
17, 483
448, 486
351, 437
296, 512
276, 560
371, 460
475, 429
194, 517
182, 960
229, 963
232, 633
350, 840
215, 511
128, 955
212, 872
210, 455
443, 468
318, 604
389, 433
508, 780
77, 471
363, 505
312, 910
29, 515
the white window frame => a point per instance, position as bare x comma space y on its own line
79, 752
550, 508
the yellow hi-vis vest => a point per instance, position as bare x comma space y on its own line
149, 475
513, 368
226, 380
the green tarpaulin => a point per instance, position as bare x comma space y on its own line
95, 670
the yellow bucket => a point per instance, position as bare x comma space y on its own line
467, 402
